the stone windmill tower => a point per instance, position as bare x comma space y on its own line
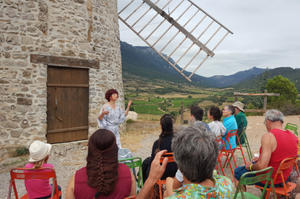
57, 58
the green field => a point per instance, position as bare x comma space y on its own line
160, 97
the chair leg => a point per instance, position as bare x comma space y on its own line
219, 164
160, 191
248, 152
227, 159
248, 148
240, 148
232, 154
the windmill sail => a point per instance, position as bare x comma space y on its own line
181, 32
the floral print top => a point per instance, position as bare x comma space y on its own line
223, 189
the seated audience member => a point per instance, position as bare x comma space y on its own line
163, 143
197, 116
196, 120
217, 127
240, 118
103, 176
230, 124
276, 145
38, 157
196, 151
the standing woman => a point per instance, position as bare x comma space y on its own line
111, 115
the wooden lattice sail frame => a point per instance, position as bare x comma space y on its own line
181, 32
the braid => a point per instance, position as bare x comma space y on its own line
102, 166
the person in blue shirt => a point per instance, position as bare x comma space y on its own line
229, 123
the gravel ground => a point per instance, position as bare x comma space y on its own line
69, 157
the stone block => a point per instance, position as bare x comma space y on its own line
24, 101
10, 125
15, 133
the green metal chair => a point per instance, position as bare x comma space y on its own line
292, 127
243, 136
133, 163
251, 178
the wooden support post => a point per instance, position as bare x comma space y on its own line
181, 113
265, 101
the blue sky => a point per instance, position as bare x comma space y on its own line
266, 34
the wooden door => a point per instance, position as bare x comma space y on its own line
67, 104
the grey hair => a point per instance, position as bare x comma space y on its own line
274, 115
195, 151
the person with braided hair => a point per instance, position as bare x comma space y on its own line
103, 177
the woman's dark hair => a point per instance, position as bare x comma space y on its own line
197, 112
109, 93
215, 112
102, 162
166, 122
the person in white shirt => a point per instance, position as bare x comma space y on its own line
216, 126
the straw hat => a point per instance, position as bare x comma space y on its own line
38, 150
239, 105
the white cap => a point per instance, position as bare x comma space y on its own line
38, 150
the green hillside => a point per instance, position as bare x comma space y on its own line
258, 83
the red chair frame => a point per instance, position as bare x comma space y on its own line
160, 182
220, 155
289, 186
26, 174
231, 151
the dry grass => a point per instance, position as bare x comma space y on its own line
136, 132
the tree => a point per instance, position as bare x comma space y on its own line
287, 89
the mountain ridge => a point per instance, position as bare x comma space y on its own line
143, 62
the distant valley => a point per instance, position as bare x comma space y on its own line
143, 64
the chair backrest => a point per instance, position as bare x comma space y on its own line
292, 127
250, 178
170, 157
30, 174
229, 134
284, 165
133, 163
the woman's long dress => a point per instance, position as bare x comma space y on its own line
112, 120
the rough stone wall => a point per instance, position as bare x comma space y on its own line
86, 29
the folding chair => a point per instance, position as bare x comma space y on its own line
243, 136
251, 178
220, 155
289, 186
292, 127
231, 151
132, 163
30, 174
160, 182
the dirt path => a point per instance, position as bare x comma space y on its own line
69, 157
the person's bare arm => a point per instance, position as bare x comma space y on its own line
170, 186
176, 184
156, 171
128, 107
70, 189
103, 112
268, 145
133, 185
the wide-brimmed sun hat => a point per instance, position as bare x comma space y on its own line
239, 105
38, 150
